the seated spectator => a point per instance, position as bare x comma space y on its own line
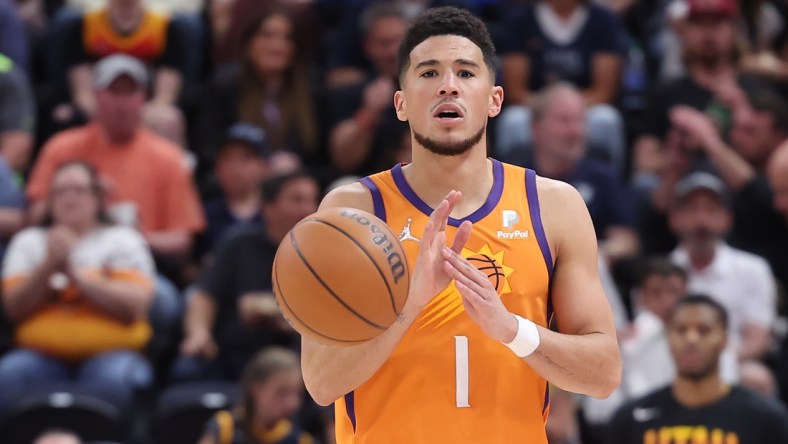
708, 41
57, 437
148, 183
241, 166
127, 27
77, 273
699, 403
272, 391
552, 41
742, 282
233, 312
759, 126
560, 152
364, 123
348, 58
269, 88
17, 116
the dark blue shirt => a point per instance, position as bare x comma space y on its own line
552, 61
219, 220
605, 194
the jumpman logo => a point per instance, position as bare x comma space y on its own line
405, 234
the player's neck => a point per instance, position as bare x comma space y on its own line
699, 392
432, 177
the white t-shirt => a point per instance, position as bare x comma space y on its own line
113, 247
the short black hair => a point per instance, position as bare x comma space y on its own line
696, 299
660, 266
446, 20
273, 186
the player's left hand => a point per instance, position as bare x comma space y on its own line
481, 301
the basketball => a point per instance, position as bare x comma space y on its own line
340, 276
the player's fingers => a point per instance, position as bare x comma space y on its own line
462, 236
470, 299
428, 235
461, 278
452, 199
465, 268
440, 215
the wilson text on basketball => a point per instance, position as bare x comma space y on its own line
382, 240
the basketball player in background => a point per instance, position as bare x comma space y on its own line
699, 407
469, 358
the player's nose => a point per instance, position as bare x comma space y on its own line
448, 85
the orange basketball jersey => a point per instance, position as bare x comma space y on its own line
146, 43
448, 382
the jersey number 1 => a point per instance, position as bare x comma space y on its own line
461, 370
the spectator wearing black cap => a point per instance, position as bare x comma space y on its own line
241, 165
740, 281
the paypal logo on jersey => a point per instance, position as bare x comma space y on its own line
509, 219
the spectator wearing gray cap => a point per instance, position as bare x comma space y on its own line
742, 282
128, 27
759, 126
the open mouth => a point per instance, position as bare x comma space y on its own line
448, 111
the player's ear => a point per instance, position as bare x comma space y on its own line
399, 106
496, 101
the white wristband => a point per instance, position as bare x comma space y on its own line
526, 340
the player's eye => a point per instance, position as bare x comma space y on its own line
465, 74
430, 73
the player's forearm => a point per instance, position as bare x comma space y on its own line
588, 364
330, 372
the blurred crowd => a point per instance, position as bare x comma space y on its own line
153, 154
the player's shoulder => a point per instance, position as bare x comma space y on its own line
353, 195
558, 198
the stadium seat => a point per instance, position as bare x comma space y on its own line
69, 408
183, 410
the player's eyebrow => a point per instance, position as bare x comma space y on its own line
433, 62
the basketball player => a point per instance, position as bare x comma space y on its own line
699, 407
469, 358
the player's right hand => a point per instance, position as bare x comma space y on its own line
429, 277
199, 344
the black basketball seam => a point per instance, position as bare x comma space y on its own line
328, 289
360, 247
278, 287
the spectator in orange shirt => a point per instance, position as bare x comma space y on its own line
146, 177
